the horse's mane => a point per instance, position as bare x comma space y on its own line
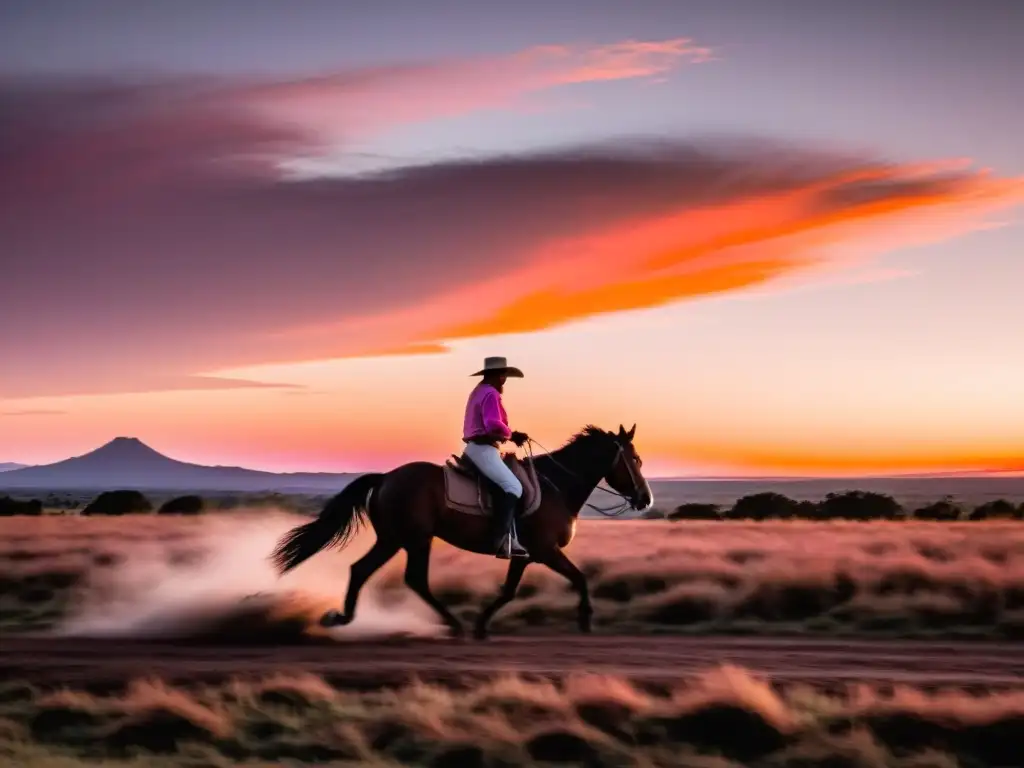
586, 440
589, 432
577, 458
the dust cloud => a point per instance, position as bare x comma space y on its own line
213, 580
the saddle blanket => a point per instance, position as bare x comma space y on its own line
465, 492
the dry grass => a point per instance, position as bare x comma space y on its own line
902, 578
724, 718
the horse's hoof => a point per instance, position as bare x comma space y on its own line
457, 632
480, 633
334, 619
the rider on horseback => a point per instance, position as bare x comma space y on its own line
485, 428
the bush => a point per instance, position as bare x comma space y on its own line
183, 505
807, 510
940, 511
764, 506
118, 503
695, 512
11, 507
848, 505
859, 505
992, 510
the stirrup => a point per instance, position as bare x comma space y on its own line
510, 547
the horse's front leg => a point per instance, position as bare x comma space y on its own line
516, 566
560, 564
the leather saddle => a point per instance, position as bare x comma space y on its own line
463, 466
467, 489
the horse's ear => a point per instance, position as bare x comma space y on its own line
631, 432
622, 431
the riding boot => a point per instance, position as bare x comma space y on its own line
507, 545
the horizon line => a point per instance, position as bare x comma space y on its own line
952, 475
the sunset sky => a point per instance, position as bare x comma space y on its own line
782, 237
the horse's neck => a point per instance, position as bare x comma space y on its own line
575, 479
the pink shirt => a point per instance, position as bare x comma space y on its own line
485, 414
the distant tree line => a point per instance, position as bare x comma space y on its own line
133, 502
849, 505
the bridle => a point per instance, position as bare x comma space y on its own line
614, 511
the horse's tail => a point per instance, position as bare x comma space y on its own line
338, 520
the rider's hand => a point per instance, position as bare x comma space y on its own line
519, 438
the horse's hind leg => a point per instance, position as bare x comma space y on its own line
417, 577
560, 564
516, 567
362, 569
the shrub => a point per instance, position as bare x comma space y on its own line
941, 511
860, 505
183, 505
808, 510
990, 510
118, 503
764, 506
10, 507
695, 512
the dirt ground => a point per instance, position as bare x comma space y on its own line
84, 661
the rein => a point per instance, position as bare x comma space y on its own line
614, 511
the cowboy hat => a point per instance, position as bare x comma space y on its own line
498, 365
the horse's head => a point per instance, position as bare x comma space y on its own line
625, 475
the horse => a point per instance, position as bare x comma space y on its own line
407, 509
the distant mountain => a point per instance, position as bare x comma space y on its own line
8, 466
127, 462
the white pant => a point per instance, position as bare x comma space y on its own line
487, 459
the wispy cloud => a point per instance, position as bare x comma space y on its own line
350, 104
154, 220
629, 59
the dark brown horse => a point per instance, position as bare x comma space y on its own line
407, 509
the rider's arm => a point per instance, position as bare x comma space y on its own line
491, 415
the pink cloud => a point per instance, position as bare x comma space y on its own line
356, 103
634, 58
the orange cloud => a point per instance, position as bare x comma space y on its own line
716, 249
428, 348
545, 309
753, 241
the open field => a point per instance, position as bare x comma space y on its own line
171, 637
190, 575
722, 717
